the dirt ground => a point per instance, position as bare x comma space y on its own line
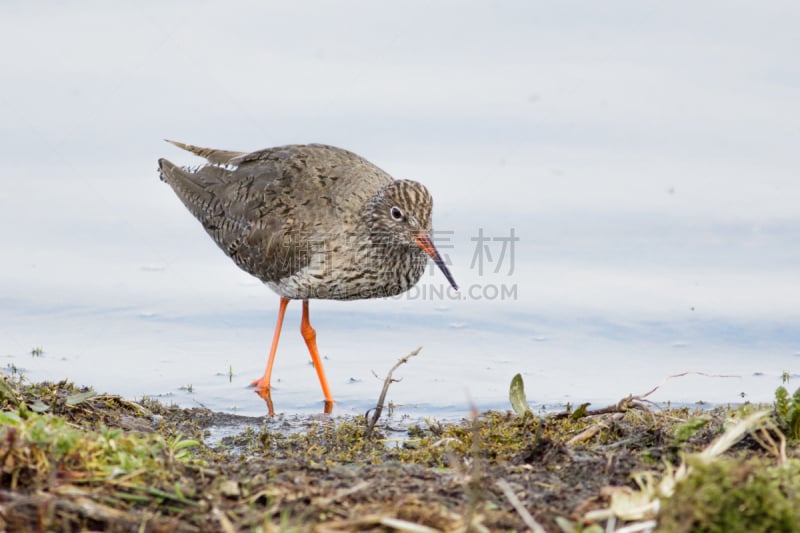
75, 460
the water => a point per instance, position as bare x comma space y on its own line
647, 167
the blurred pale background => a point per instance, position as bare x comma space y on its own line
644, 153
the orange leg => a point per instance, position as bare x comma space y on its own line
310, 337
262, 383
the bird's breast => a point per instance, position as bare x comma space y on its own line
352, 271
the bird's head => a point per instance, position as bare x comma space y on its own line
400, 216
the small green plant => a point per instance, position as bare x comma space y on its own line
44, 443
178, 447
686, 430
787, 412
581, 411
728, 495
37, 352
516, 395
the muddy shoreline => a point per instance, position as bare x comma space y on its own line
76, 460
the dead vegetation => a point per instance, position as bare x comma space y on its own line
74, 460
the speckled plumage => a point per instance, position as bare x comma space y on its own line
310, 221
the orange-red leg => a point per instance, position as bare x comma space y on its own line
310, 337
262, 383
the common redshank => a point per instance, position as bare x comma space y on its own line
310, 221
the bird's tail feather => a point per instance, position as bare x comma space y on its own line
215, 157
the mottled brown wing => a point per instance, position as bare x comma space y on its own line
242, 215
263, 209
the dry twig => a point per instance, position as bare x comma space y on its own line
347, 491
591, 431
476, 471
386, 382
529, 520
638, 401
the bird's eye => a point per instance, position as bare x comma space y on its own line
396, 213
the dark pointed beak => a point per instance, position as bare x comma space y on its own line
424, 242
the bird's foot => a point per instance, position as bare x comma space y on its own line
260, 384
328, 407
263, 390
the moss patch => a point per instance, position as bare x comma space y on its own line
735, 494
